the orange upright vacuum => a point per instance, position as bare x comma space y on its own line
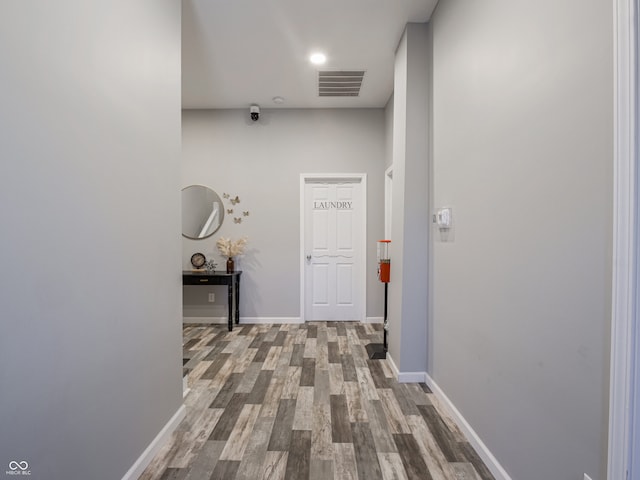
377, 351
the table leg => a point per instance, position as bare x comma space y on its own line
230, 299
238, 299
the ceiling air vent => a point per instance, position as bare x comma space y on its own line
340, 83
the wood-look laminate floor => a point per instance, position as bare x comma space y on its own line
305, 402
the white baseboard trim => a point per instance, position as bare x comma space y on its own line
256, 320
411, 377
243, 320
220, 320
392, 364
478, 445
406, 377
185, 386
154, 447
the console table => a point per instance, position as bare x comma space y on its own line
231, 280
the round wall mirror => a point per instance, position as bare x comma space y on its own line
202, 212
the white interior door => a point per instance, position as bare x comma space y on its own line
333, 249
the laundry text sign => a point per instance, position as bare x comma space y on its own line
344, 205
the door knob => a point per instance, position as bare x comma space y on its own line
308, 258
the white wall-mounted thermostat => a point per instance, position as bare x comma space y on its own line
444, 218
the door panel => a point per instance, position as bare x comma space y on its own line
344, 227
321, 284
344, 280
320, 231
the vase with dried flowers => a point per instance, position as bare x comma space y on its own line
231, 248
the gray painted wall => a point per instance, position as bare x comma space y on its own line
261, 162
388, 124
410, 226
90, 336
522, 134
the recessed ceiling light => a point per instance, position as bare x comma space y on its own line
318, 58
279, 100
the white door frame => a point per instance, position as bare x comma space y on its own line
624, 396
388, 188
347, 177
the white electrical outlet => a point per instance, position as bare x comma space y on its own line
586, 477
212, 297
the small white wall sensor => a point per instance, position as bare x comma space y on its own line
444, 218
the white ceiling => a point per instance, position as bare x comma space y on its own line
239, 52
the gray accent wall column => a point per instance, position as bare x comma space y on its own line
410, 212
90, 284
523, 153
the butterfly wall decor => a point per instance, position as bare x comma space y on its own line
234, 200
